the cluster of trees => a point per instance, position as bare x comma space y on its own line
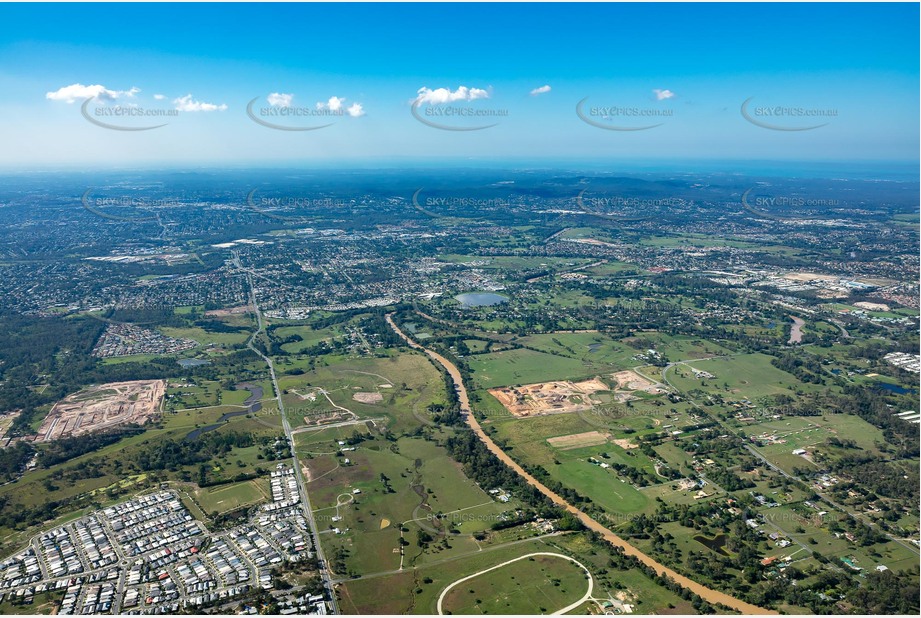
636, 476
728, 480
881, 477
13, 460
65, 449
806, 368
488, 472
172, 454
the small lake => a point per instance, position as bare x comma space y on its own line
480, 299
894, 388
717, 543
252, 403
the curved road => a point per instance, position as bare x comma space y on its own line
708, 594
568, 608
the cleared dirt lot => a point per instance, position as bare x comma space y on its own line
579, 440
102, 407
368, 397
548, 397
632, 381
561, 397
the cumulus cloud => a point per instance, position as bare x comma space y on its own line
444, 95
188, 104
159, 97
334, 104
541, 90
337, 104
79, 92
279, 99
663, 94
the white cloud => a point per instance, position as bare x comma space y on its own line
541, 90
335, 104
279, 99
159, 97
444, 95
79, 92
188, 104
663, 94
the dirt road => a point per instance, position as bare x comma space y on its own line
708, 594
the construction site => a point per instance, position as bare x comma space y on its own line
102, 407
549, 397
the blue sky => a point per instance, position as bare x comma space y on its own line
686, 67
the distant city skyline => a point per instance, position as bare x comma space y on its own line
369, 83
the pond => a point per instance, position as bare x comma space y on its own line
480, 299
717, 543
894, 388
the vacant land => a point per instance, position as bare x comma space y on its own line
536, 584
400, 485
524, 367
743, 376
578, 440
229, 497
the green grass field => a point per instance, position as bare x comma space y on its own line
534, 585
205, 337
524, 367
527, 443
604, 487
407, 384
229, 497
742, 376
424, 482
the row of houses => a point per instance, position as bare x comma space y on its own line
148, 555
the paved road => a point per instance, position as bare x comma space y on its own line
754, 451
708, 594
858, 516
305, 500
